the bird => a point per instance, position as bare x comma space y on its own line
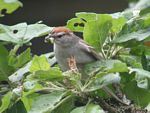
68, 45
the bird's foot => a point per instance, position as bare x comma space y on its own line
72, 64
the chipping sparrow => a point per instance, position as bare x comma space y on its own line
67, 45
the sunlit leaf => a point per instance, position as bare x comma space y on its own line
87, 16
5, 101
117, 24
76, 24
39, 63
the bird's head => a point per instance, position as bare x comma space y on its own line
62, 36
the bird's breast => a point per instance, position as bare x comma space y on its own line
63, 53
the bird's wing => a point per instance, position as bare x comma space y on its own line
89, 49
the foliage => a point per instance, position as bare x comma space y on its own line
33, 84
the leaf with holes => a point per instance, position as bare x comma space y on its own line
8, 6
76, 24
22, 33
87, 16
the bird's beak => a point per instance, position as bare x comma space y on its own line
49, 38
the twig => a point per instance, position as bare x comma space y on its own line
118, 90
105, 105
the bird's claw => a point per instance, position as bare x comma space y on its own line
72, 64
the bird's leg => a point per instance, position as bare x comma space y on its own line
72, 64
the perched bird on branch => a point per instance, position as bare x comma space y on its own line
72, 52
67, 46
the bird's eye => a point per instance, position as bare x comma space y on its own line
59, 36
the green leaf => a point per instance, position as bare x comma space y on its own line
9, 5
53, 73
22, 33
76, 24
134, 32
142, 4
5, 101
131, 60
109, 66
30, 87
138, 95
148, 107
30, 84
87, 16
27, 102
66, 107
146, 19
39, 63
46, 103
103, 79
96, 31
5, 69
117, 24
139, 50
115, 66
20, 60
137, 36
91, 108
23, 58
142, 77
19, 74
93, 67
144, 61
17, 108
